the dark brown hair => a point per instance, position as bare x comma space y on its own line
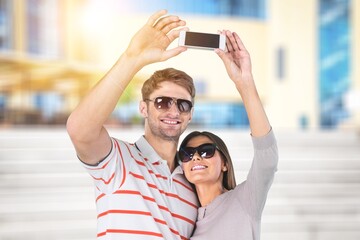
229, 181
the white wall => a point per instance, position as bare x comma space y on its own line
292, 26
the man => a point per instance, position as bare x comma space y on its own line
141, 192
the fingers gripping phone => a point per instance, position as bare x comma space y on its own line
202, 40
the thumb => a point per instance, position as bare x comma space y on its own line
172, 53
222, 55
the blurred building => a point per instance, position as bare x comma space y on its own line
304, 56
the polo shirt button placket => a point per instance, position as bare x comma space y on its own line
166, 171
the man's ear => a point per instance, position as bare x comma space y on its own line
191, 114
143, 109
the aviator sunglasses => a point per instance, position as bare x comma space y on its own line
165, 103
206, 150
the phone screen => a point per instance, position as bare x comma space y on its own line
202, 39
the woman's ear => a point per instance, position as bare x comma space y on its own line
224, 167
143, 109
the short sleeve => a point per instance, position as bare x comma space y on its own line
110, 173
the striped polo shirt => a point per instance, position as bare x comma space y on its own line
137, 197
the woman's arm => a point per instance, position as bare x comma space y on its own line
238, 66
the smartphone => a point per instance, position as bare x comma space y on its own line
202, 40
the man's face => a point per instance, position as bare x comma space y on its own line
170, 123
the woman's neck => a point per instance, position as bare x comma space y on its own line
208, 192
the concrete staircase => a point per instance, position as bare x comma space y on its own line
46, 194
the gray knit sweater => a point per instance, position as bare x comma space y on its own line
236, 214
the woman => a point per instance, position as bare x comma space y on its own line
230, 211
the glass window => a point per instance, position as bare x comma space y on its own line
237, 8
280, 63
44, 28
334, 59
5, 25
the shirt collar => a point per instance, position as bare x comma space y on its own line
147, 151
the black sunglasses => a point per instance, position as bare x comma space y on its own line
206, 150
165, 103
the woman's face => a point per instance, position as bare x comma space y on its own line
202, 170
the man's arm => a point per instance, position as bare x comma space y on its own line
238, 66
85, 125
